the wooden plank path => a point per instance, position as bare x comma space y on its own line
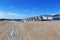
14, 32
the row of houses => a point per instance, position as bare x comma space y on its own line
44, 18
37, 18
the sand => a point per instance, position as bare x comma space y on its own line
32, 30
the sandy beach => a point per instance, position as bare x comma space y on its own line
31, 30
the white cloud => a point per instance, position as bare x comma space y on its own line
11, 15
2, 13
10, 7
15, 14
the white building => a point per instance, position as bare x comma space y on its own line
47, 17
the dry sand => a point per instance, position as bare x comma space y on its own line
31, 30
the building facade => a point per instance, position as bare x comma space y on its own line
46, 17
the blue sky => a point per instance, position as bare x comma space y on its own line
27, 8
